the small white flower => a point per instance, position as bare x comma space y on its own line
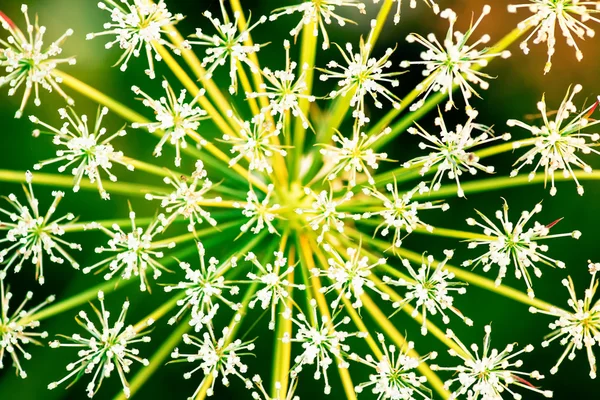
319, 14
255, 143
394, 377
558, 141
276, 288
349, 275
578, 328
176, 118
450, 153
284, 90
186, 200
548, 14
16, 329
262, 393
401, 212
226, 46
488, 375
260, 213
25, 61
412, 4
136, 27
364, 75
203, 288
511, 243
323, 215
322, 343
133, 253
453, 62
217, 357
84, 151
31, 236
354, 156
106, 350
431, 288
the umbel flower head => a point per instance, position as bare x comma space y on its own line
262, 394
512, 243
260, 213
107, 349
400, 212
136, 27
322, 343
487, 374
85, 150
318, 14
453, 62
16, 327
431, 289
133, 253
394, 377
277, 288
204, 288
558, 141
578, 328
217, 357
227, 45
570, 16
450, 151
187, 199
364, 75
32, 236
27, 62
176, 118
284, 89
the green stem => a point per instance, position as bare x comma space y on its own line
40, 178
491, 184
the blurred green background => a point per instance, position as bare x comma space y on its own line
513, 94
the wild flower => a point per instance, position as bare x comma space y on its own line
431, 289
400, 213
453, 62
578, 328
204, 288
107, 349
394, 377
488, 373
262, 394
131, 254
512, 243
186, 200
85, 150
33, 236
260, 213
450, 151
136, 27
567, 15
28, 63
16, 328
217, 357
558, 141
364, 75
317, 14
227, 45
174, 116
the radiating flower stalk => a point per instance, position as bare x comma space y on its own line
292, 206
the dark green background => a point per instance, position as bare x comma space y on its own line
519, 85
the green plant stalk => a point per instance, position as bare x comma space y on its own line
308, 52
384, 11
41, 178
449, 233
492, 184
